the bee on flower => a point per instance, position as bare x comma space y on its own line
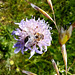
32, 35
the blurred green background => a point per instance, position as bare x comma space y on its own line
14, 11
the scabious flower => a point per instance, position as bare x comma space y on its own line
32, 35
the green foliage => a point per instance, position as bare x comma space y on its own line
14, 11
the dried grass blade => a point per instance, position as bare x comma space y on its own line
41, 11
50, 4
28, 73
55, 67
64, 53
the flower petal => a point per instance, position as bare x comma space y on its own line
17, 50
32, 53
22, 50
37, 51
45, 48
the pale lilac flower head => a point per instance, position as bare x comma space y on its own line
32, 35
